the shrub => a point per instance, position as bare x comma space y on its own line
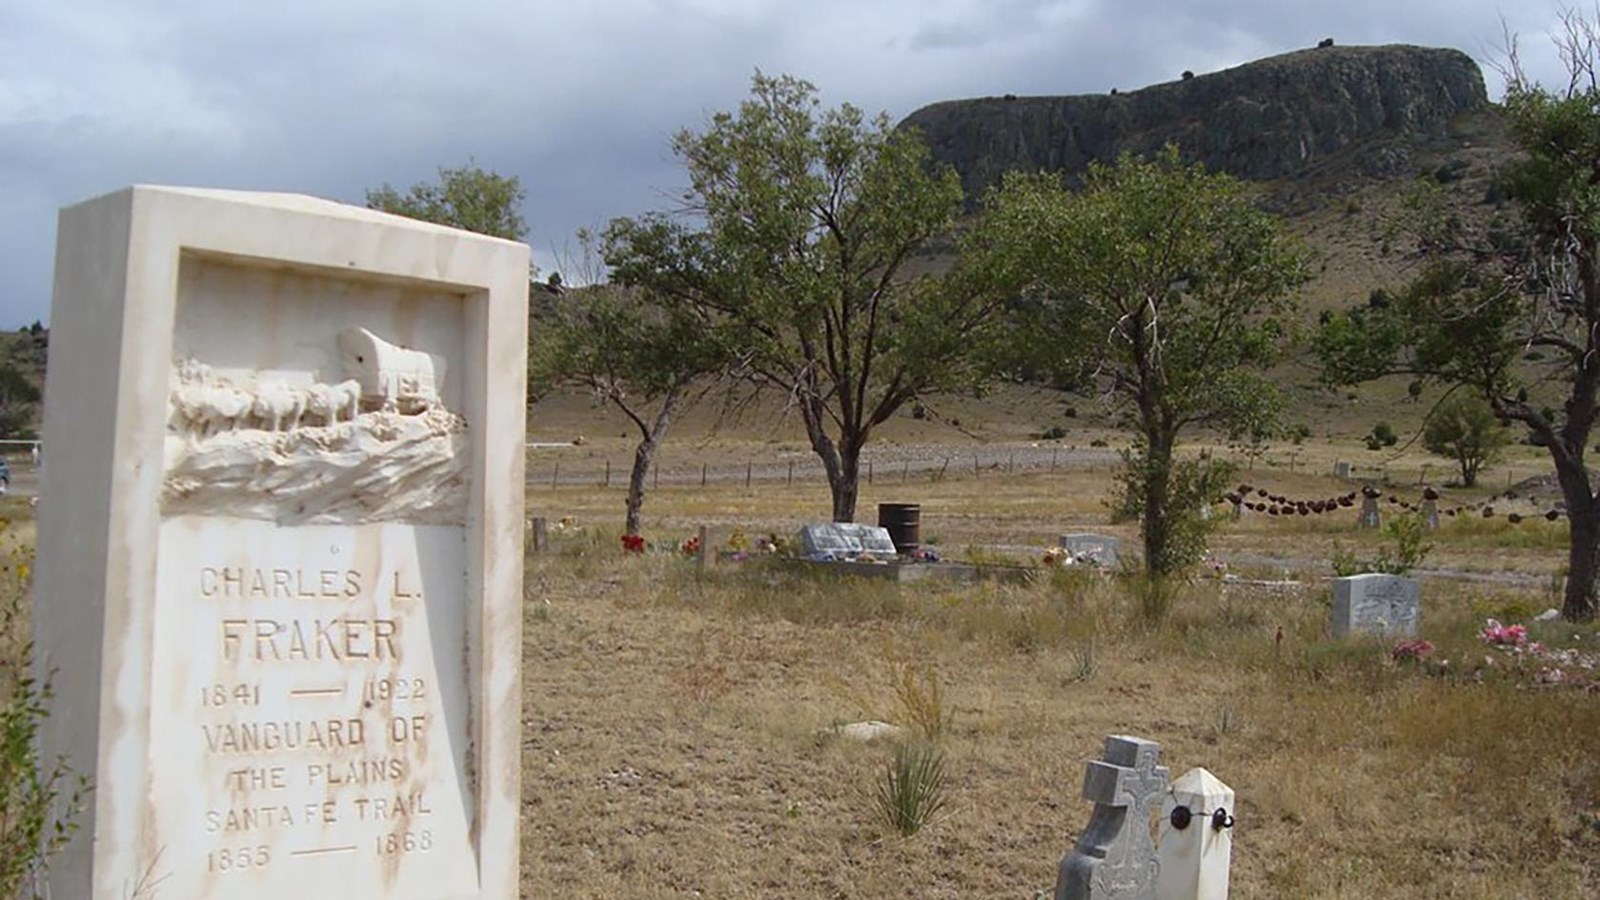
39, 799
1464, 429
912, 789
921, 698
1404, 551
1381, 436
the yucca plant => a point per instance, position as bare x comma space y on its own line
913, 787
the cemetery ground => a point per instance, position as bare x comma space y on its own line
678, 740
678, 725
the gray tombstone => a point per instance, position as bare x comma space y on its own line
1341, 470
1430, 513
830, 541
1099, 549
1369, 517
1115, 858
1376, 604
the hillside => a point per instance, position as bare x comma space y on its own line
1271, 119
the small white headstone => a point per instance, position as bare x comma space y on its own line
280, 568
1341, 470
1099, 549
1376, 604
1195, 859
830, 541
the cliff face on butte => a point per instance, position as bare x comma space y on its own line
1269, 119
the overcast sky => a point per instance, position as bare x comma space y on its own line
580, 98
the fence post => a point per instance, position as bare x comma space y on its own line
702, 474
608, 471
747, 466
703, 556
555, 475
1195, 857
791, 471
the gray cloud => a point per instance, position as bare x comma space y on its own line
579, 100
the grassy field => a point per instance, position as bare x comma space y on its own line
677, 735
678, 728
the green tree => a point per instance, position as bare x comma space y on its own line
646, 355
1482, 301
1464, 428
19, 399
1163, 285
800, 224
466, 197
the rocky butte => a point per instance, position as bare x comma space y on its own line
1268, 119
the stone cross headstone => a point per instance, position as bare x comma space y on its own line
1376, 604
279, 576
1195, 859
1100, 549
831, 541
1115, 858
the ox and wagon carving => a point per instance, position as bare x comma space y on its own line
376, 443
379, 377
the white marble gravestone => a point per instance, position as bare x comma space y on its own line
845, 540
1376, 604
280, 549
1195, 859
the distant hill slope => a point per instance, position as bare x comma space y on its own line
1266, 120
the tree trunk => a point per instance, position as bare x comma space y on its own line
1583, 533
847, 487
644, 455
1156, 528
1583, 563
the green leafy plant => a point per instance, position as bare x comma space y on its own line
1464, 429
1405, 549
1382, 435
39, 799
912, 789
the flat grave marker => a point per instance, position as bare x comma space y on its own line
845, 541
1100, 549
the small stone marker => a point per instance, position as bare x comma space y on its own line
1341, 470
831, 541
279, 566
1430, 512
539, 534
1369, 517
1376, 604
1115, 858
1195, 858
1100, 549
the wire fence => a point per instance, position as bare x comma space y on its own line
896, 466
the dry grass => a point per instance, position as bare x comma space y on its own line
675, 720
676, 738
